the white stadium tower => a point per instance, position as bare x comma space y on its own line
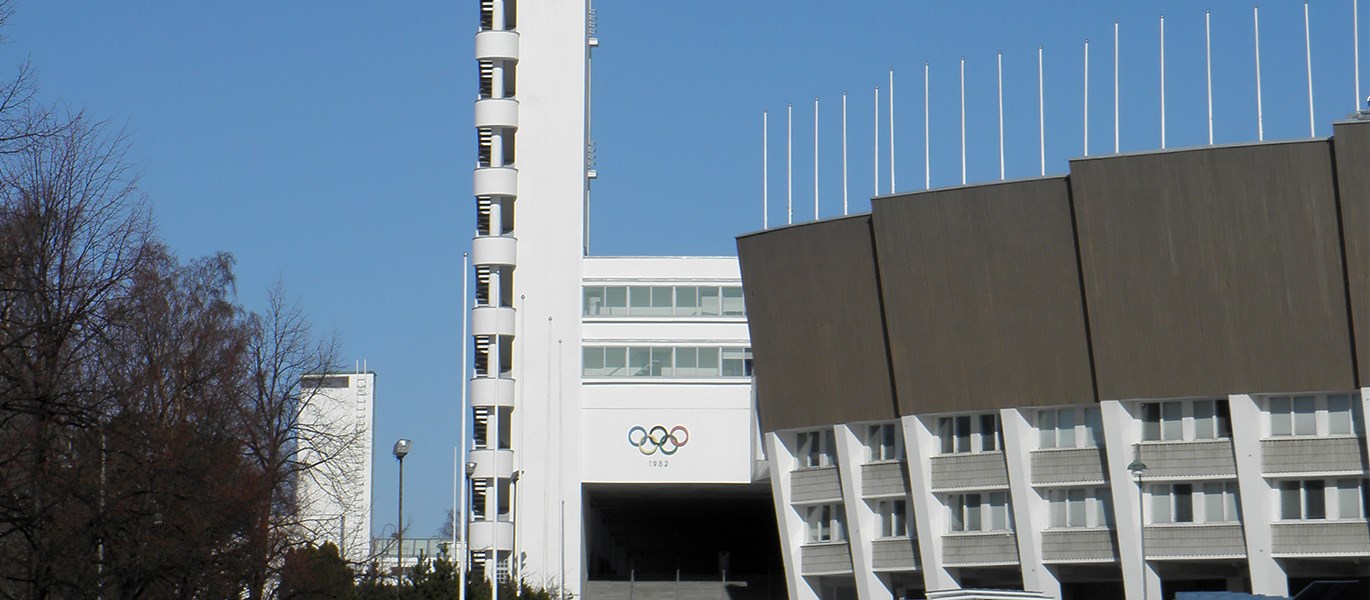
614, 436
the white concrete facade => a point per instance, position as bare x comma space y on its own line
543, 423
334, 495
1246, 492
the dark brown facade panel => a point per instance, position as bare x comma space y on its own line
1351, 141
815, 319
1213, 271
982, 297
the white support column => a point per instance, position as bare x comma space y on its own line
1030, 510
1257, 498
790, 525
928, 513
862, 527
1120, 437
1364, 412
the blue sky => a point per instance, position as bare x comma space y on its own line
330, 145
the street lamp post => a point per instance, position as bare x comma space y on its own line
465, 519
1138, 468
401, 449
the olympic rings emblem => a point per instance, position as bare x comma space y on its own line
658, 438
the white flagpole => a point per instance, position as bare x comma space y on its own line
927, 160
1086, 96
844, 154
765, 173
1355, 37
876, 167
1115, 87
1041, 114
1260, 113
891, 103
1308, 63
789, 164
1163, 82
1001, 114
815, 158
461, 431
963, 120
1208, 70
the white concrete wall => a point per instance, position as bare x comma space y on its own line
336, 425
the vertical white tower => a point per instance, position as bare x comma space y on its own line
530, 185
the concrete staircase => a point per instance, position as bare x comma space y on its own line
666, 590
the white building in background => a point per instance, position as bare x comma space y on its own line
611, 399
335, 431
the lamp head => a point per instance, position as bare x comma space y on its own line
402, 448
470, 468
1137, 467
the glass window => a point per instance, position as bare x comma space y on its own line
708, 363
816, 449
1339, 414
989, 432
639, 301
639, 362
1172, 503
662, 363
687, 362
615, 362
1219, 502
978, 512
1162, 421
1281, 416
686, 302
962, 434
1066, 428
1046, 428
893, 518
708, 302
1212, 420
1349, 499
732, 302
882, 442
593, 362
594, 301
1151, 422
616, 301
1305, 415
734, 362
1094, 426
825, 523
1172, 419
1303, 500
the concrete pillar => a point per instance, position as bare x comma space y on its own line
1258, 498
788, 521
1121, 435
862, 527
1030, 510
928, 512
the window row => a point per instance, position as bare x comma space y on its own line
1178, 420
685, 362
1209, 502
1080, 507
1317, 499
663, 301
978, 512
882, 443
969, 433
1074, 427
825, 523
1332, 414
816, 449
892, 516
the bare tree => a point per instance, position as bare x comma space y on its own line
281, 352
73, 230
